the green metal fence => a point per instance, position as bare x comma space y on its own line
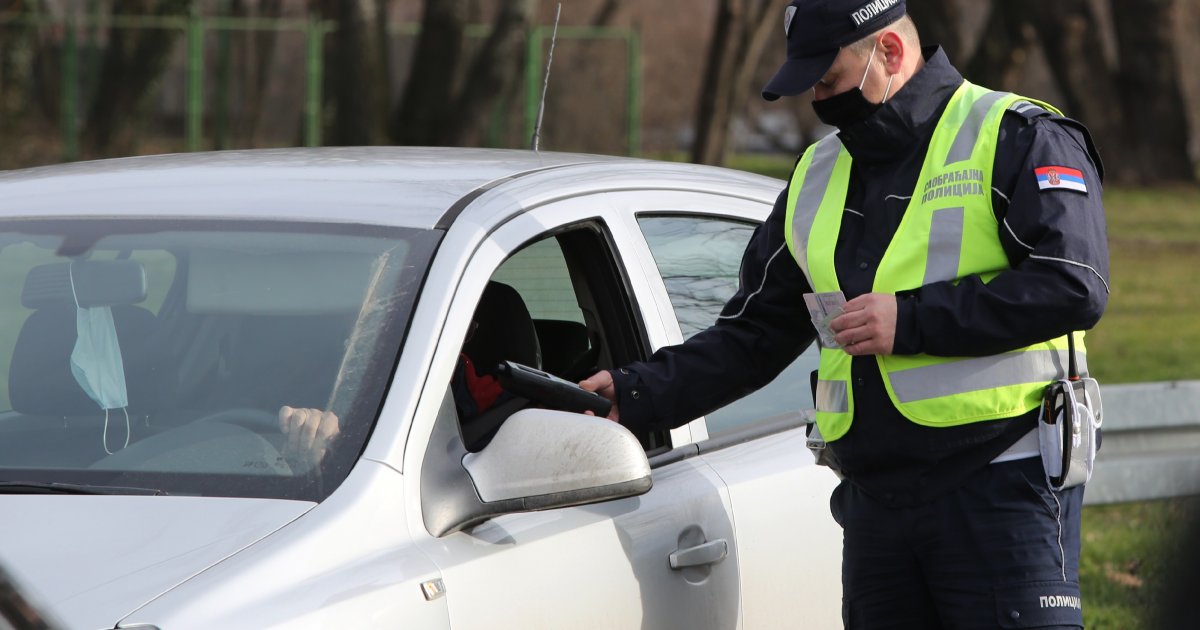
535, 67
195, 26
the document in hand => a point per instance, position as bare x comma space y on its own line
824, 308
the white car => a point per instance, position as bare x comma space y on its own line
194, 295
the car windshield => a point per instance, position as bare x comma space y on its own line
154, 356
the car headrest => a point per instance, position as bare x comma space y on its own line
87, 283
505, 331
40, 381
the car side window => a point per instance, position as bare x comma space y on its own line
699, 259
540, 275
558, 305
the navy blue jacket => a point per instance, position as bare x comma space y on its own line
1056, 243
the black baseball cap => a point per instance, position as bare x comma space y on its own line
816, 30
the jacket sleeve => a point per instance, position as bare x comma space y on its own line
1056, 242
759, 332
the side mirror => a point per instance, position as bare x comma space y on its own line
551, 459
538, 460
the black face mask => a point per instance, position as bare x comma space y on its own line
845, 109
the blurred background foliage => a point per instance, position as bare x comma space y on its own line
121, 77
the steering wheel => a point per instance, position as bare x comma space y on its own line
254, 419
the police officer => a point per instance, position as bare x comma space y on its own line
966, 231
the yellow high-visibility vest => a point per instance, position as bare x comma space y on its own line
948, 232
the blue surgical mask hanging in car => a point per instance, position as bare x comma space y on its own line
96, 360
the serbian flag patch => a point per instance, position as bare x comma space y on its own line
1060, 177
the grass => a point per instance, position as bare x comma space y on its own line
1149, 332
1127, 558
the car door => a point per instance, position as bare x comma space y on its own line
788, 544
606, 565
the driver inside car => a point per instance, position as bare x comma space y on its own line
308, 433
500, 329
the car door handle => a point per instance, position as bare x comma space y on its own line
707, 553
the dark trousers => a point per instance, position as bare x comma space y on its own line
1002, 551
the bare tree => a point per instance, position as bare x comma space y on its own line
354, 76
47, 51
1153, 115
134, 60
1004, 49
435, 110
1072, 39
1071, 36
15, 40
1149, 133
938, 21
422, 116
496, 67
743, 28
260, 53
382, 70
607, 11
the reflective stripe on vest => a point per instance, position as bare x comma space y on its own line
948, 232
808, 188
974, 374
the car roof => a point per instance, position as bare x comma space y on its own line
418, 187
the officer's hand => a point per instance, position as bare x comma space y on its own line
602, 383
867, 325
307, 433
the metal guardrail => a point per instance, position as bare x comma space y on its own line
1151, 444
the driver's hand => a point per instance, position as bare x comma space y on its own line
602, 383
307, 433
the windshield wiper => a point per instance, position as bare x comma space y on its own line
52, 487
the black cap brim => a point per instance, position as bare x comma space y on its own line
797, 76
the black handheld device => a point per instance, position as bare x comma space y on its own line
1059, 405
550, 390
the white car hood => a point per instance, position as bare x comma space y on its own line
92, 560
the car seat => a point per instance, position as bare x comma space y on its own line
504, 332
65, 423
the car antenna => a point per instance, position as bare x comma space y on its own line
537, 128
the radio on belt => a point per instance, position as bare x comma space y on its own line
1069, 426
550, 390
